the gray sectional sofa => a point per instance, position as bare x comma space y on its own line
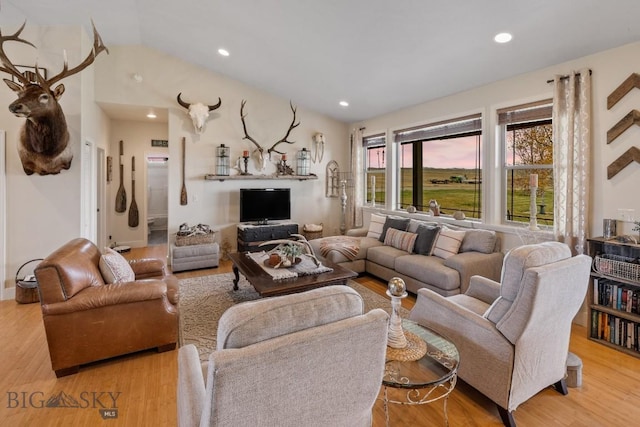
479, 254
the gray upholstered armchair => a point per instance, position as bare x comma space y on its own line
513, 336
307, 359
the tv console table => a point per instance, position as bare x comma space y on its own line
250, 236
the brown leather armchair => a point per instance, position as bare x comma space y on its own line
87, 320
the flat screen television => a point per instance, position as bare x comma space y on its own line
262, 205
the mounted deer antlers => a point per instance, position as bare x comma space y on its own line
199, 112
44, 139
292, 126
259, 151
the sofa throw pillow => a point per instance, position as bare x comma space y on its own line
479, 241
448, 242
426, 237
414, 223
115, 268
375, 226
393, 222
402, 240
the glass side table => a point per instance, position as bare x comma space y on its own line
432, 377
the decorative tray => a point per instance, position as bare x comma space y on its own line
268, 263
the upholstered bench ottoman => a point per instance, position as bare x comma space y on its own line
194, 256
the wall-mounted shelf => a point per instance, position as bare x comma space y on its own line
210, 177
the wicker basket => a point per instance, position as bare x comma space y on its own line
26, 291
310, 235
617, 266
196, 239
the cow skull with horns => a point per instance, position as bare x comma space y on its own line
199, 112
43, 146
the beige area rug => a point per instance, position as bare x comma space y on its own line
204, 299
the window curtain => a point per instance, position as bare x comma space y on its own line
354, 203
571, 148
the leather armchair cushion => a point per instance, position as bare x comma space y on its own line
113, 294
147, 268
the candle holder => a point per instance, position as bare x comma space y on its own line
303, 162
222, 160
395, 335
246, 165
373, 190
533, 219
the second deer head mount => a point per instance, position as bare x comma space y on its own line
259, 153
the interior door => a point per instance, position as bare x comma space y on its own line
87, 192
100, 188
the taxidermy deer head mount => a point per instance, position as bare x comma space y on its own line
199, 112
44, 139
259, 152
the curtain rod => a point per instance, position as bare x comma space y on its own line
566, 77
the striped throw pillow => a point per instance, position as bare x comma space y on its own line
448, 242
399, 239
376, 223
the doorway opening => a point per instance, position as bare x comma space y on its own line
157, 199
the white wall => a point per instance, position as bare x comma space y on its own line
610, 68
42, 211
213, 202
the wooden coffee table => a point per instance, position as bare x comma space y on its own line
267, 287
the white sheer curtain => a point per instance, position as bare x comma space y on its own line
354, 205
571, 148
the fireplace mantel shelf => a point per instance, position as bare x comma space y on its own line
210, 177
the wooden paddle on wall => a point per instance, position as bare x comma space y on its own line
133, 209
121, 195
183, 192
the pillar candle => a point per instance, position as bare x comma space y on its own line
533, 180
284, 157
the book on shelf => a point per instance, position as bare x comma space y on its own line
615, 330
618, 296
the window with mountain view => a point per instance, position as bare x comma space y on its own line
441, 161
527, 135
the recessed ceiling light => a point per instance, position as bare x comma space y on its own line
344, 103
503, 38
223, 52
152, 115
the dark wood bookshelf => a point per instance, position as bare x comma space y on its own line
601, 247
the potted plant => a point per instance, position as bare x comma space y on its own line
290, 251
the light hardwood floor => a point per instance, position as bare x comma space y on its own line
144, 384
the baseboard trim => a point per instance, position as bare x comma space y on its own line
8, 293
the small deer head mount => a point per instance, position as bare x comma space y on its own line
199, 112
259, 153
43, 147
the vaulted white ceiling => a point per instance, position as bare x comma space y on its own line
379, 55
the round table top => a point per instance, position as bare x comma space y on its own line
437, 366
